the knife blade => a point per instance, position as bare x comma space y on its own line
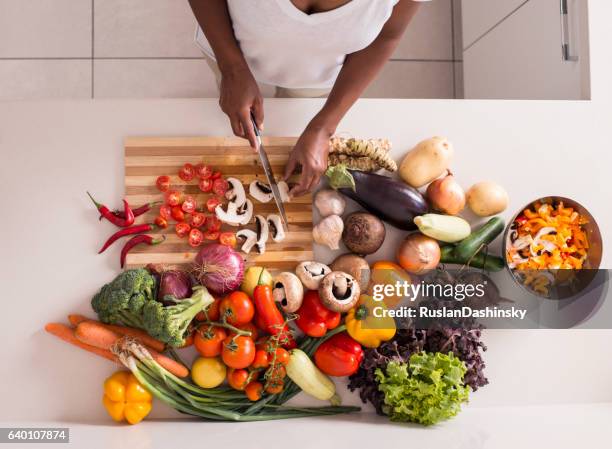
265, 163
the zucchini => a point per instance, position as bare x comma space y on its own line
486, 262
445, 228
478, 239
309, 378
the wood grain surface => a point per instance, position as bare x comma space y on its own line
148, 157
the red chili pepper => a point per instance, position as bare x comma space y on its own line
271, 317
128, 220
127, 231
137, 240
138, 211
339, 356
313, 318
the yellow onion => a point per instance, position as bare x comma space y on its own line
446, 195
418, 253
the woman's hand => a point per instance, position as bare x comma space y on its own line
239, 96
310, 153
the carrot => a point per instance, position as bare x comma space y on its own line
138, 334
96, 334
67, 334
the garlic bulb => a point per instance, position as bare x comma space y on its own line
329, 231
329, 202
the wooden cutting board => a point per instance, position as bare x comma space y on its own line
148, 157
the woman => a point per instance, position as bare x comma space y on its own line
307, 48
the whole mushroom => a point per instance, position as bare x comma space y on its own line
311, 273
288, 291
354, 265
339, 292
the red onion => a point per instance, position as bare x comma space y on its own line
219, 268
175, 283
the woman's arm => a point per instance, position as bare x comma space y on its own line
359, 70
239, 91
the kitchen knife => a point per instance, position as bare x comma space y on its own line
265, 163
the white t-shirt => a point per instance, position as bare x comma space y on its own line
288, 48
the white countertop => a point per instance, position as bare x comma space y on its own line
53, 151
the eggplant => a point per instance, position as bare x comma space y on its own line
390, 200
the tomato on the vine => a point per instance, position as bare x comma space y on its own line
195, 237
238, 352
227, 239
220, 186
197, 219
253, 391
178, 214
237, 308
203, 171
182, 229
211, 235
165, 211
189, 204
213, 223
187, 172
275, 387
261, 359
161, 222
281, 356
237, 378
205, 185
163, 183
208, 340
174, 197
212, 203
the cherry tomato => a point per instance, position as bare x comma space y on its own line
220, 186
163, 183
282, 356
227, 239
187, 172
197, 219
216, 175
275, 387
189, 204
212, 203
213, 224
261, 359
208, 340
253, 391
165, 211
250, 327
238, 352
277, 372
237, 308
188, 341
161, 222
195, 237
203, 171
205, 185
211, 235
178, 214
182, 229
237, 378
174, 198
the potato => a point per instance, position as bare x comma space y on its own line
426, 162
487, 198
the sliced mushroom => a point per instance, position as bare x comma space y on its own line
288, 291
236, 193
283, 188
276, 228
261, 191
250, 239
312, 273
234, 215
262, 233
339, 291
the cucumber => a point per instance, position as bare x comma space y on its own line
481, 261
469, 246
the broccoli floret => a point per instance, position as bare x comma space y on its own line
170, 323
121, 301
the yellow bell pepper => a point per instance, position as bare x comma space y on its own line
125, 398
367, 329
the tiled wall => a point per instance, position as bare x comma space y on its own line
144, 48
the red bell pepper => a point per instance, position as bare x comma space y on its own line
313, 318
339, 356
270, 317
